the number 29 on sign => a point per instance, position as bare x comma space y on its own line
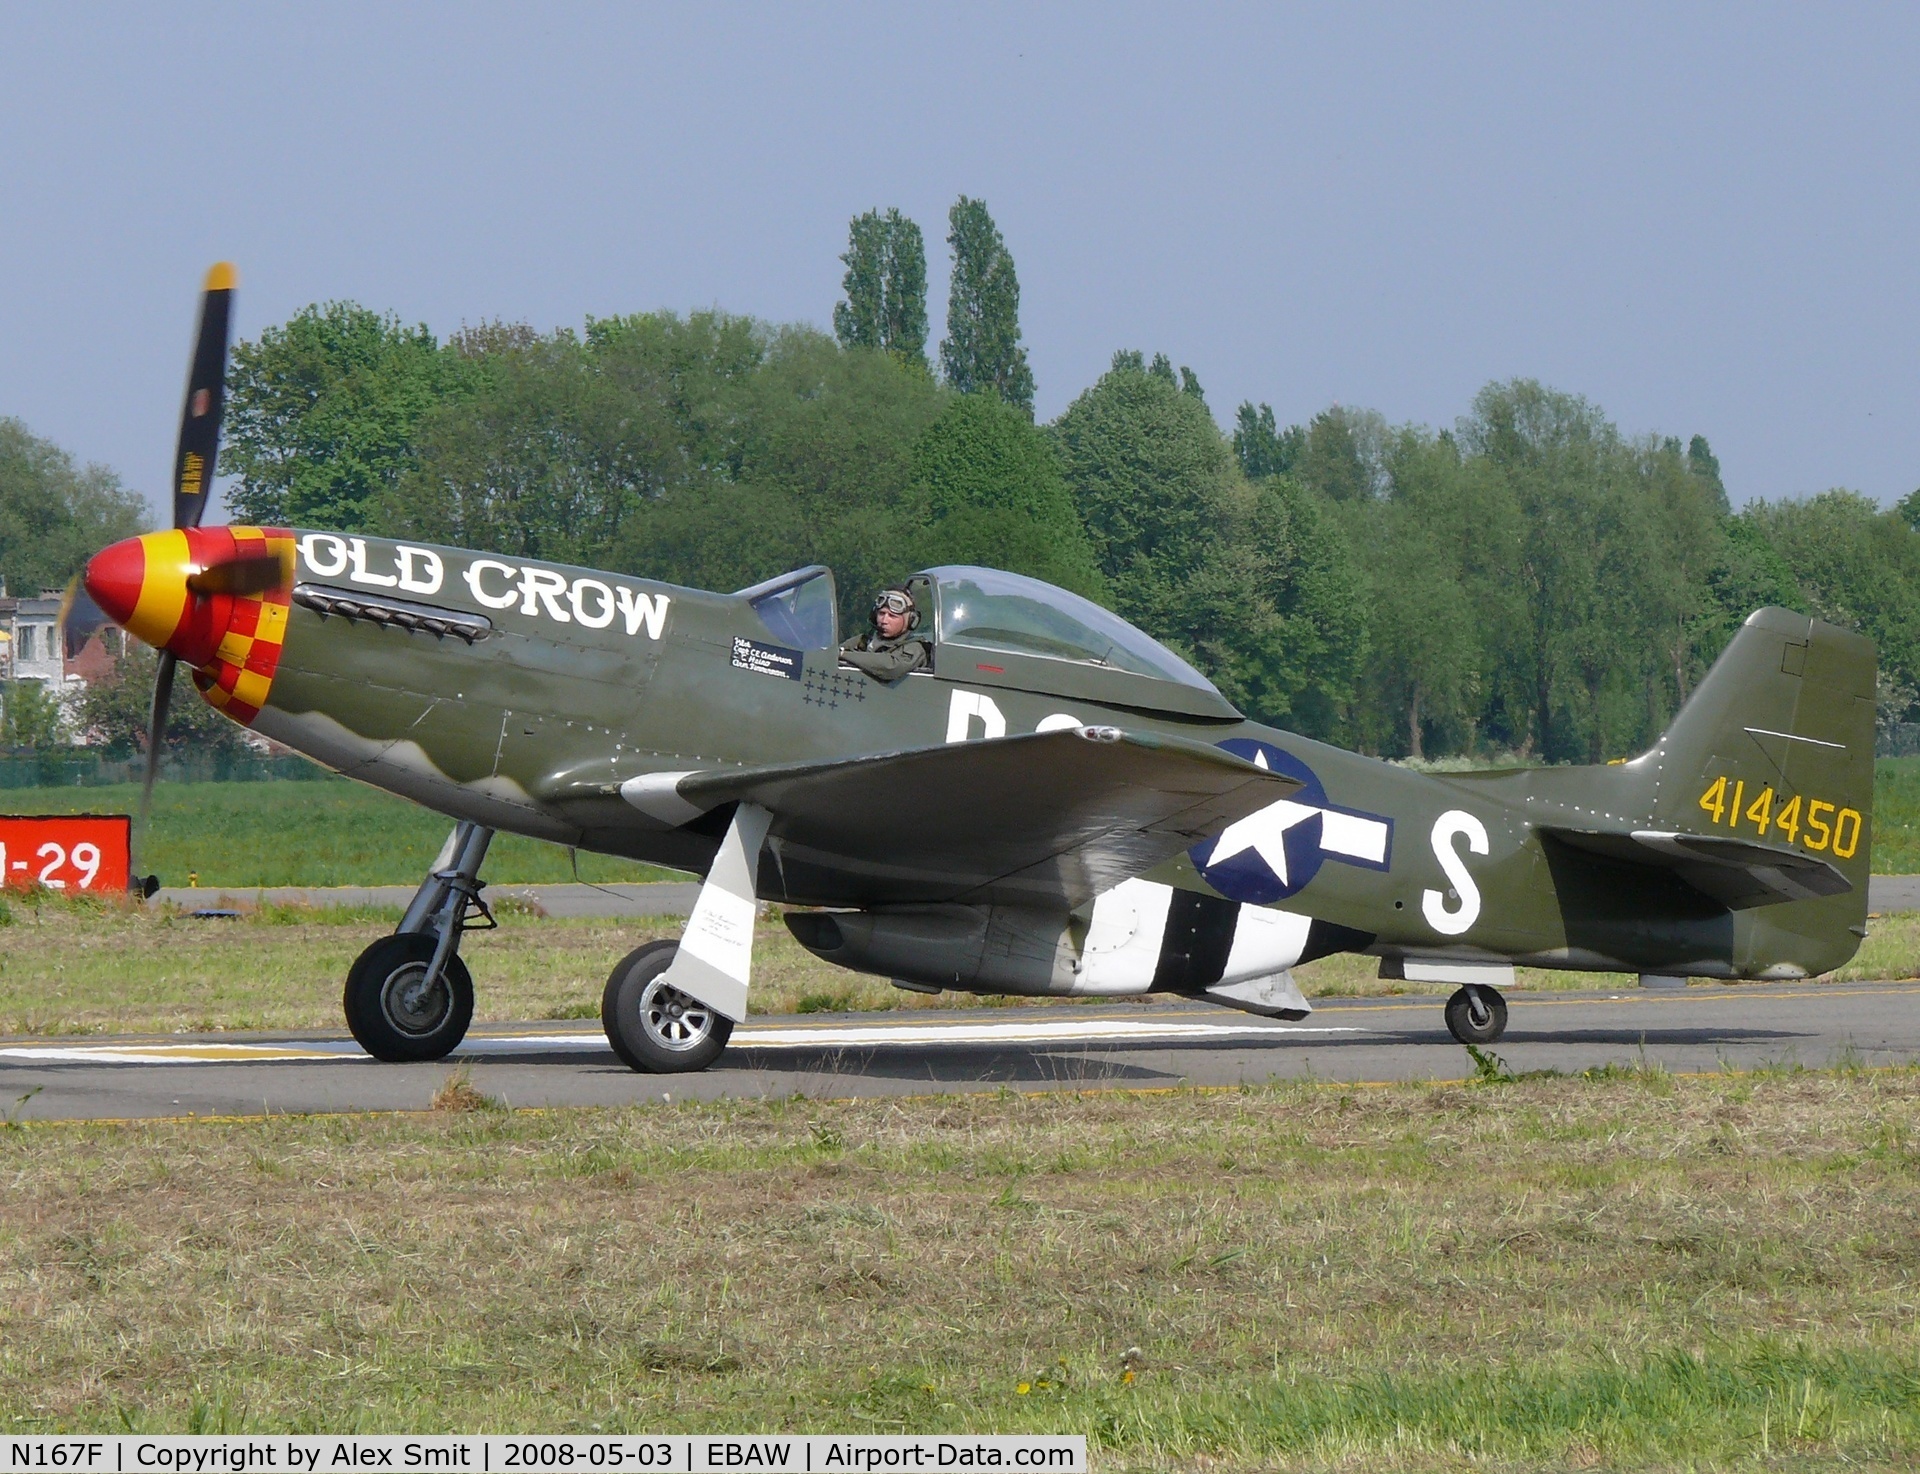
64, 852
56, 862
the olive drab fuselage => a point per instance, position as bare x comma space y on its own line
1058, 806
565, 683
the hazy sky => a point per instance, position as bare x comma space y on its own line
1702, 219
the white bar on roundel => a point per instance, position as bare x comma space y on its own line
1352, 835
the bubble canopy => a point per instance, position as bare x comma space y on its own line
986, 609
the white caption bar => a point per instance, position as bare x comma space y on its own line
808, 1453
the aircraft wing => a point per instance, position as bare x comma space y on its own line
1738, 873
1043, 817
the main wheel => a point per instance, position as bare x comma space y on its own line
394, 1014
654, 1027
1476, 1014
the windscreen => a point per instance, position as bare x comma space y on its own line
801, 614
991, 610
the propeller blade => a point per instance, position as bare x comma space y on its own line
156, 735
66, 613
252, 573
79, 617
193, 463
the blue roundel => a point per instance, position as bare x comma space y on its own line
1272, 854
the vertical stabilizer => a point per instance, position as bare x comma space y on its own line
1775, 749
1777, 742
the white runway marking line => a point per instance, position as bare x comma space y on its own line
1049, 1031
1066, 1031
170, 1054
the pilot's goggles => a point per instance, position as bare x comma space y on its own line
892, 601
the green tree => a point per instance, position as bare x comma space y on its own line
113, 712
1278, 614
1339, 454
1556, 456
1908, 509
525, 465
886, 287
1261, 447
1618, 543
1706, 465
54, 515
811, 463
994, 496
562, 437
1858, 566
322, 413
1152, 477
29, 715
1439, 572
1254, 583
982, 348
1748, 574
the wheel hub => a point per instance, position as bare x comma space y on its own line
672, 1019
410, 1005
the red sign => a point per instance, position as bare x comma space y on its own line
66, 852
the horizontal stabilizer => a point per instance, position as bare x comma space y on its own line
1043, 817
1738, 873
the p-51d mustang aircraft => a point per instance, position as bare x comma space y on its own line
1059, 806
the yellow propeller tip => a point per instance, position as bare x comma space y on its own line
222, 278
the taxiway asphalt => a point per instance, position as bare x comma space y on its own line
1087, 1047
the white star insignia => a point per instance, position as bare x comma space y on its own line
1265, 833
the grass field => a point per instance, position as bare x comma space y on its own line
330, 831
1896, 816
78, 967
1623, 1271
336, 832
70, 967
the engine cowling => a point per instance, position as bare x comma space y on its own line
1139, 937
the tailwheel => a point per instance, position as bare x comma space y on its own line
395, 1012
656, 1028
1476, 1014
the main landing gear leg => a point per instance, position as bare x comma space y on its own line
409, 996
670, 1007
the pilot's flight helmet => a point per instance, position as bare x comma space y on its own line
897, 601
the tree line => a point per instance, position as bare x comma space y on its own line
1530, 581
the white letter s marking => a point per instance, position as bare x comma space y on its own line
1446, 829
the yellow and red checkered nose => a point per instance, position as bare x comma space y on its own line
231, 640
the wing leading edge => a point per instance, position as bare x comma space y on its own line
1046, 817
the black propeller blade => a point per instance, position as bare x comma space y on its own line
193, 467
156, 734
250, 573
193, 463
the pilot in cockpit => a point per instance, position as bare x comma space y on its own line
890, 649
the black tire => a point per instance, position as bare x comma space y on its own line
1476, 1014
654, 1028
389, 1014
